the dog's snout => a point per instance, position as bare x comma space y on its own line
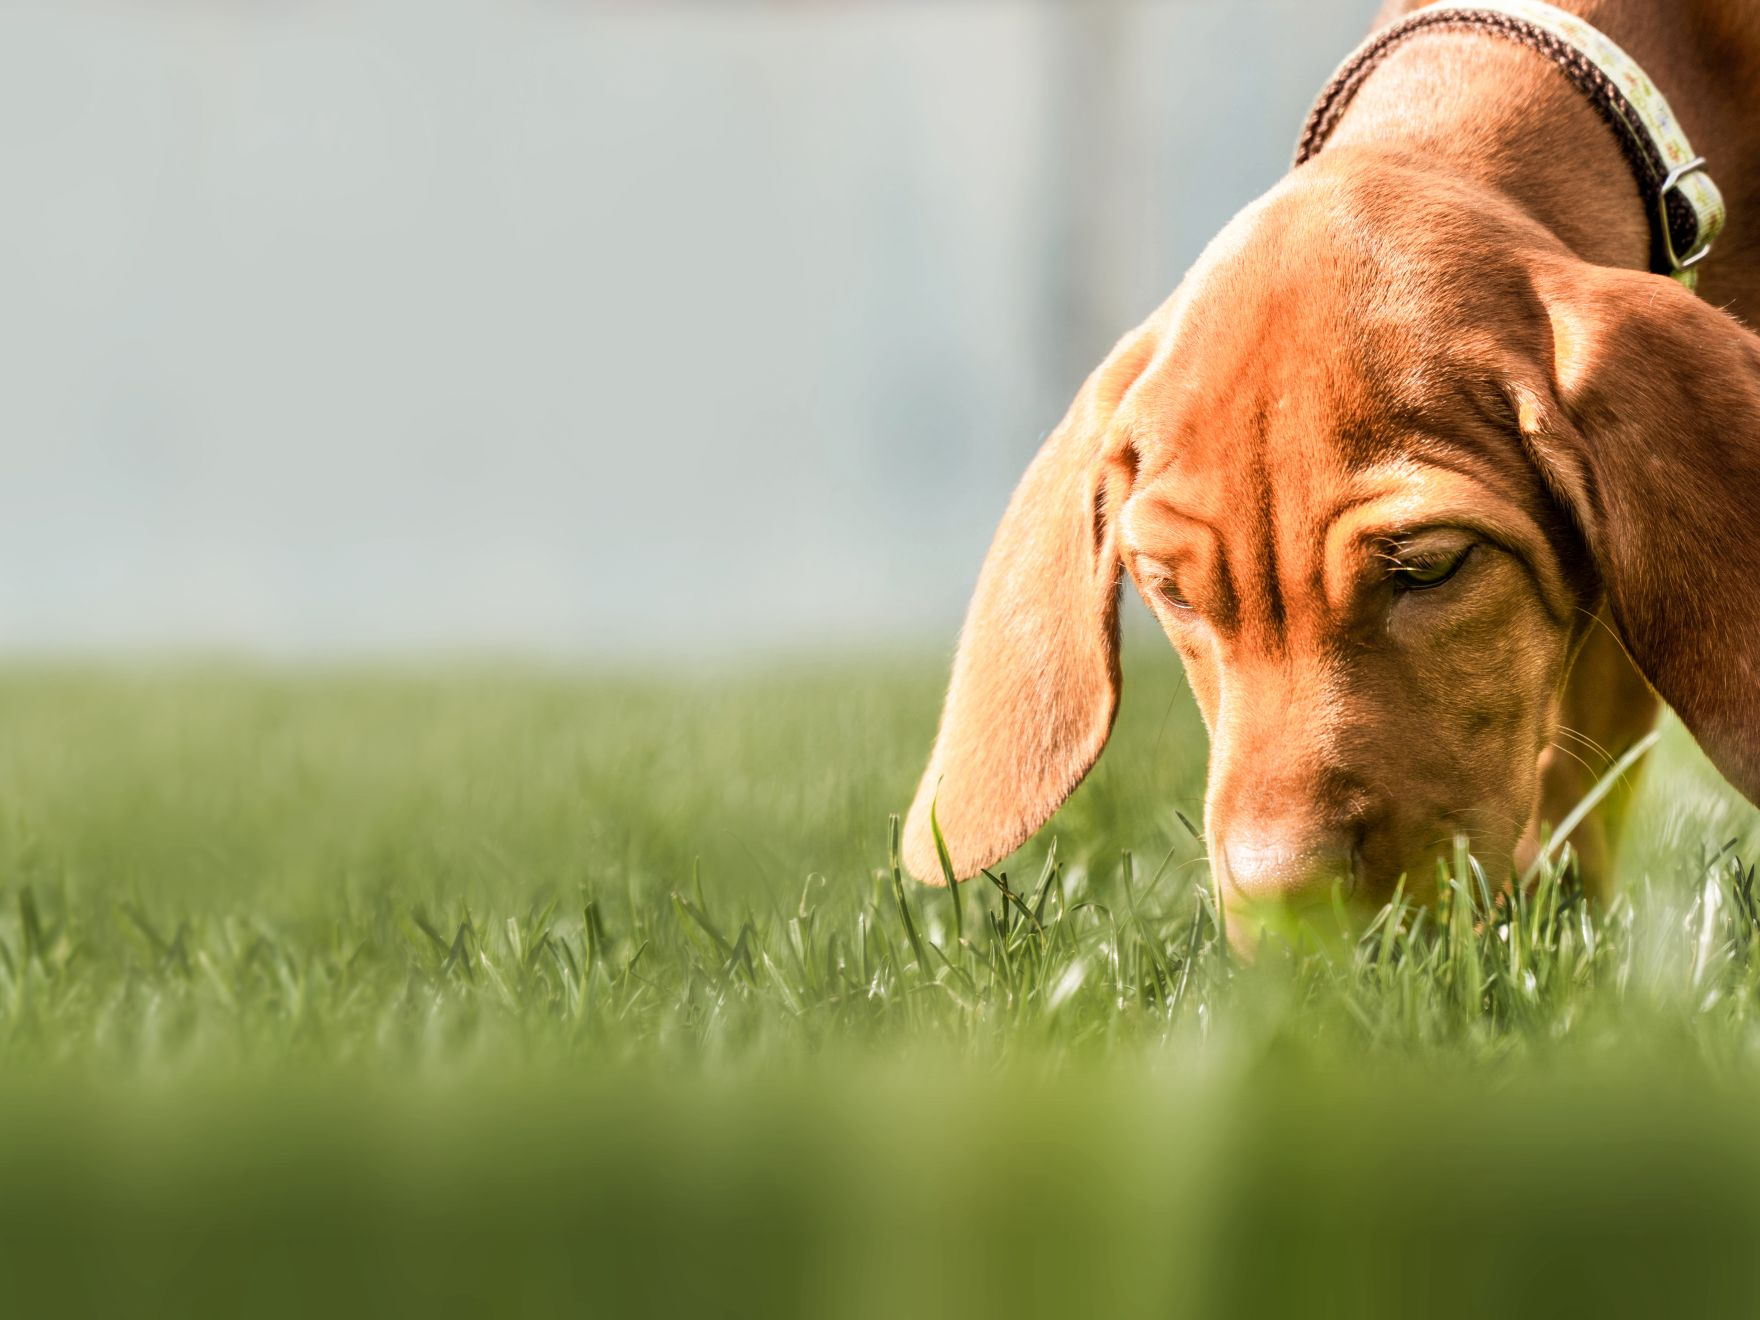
1292, 872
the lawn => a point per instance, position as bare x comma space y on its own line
473, 989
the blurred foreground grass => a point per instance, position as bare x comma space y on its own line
485, 990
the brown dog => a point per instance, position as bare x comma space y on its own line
1415, 447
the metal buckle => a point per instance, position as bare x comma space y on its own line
1669, 184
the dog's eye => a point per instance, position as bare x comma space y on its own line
1169, 592
1421, 572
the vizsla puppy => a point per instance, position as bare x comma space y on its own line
1432, 484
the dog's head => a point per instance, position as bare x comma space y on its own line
1375, 468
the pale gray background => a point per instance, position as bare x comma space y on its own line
579, 328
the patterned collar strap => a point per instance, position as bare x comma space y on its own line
1685, 208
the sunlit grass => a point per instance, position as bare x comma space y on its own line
416, 871
644, 947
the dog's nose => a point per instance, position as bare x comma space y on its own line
1291, 873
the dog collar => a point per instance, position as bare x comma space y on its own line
1685, 208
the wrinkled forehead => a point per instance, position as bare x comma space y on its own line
1307, 438
1310, 358
1282, 443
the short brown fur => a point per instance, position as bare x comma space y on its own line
1436, 338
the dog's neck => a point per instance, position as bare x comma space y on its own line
1487, 110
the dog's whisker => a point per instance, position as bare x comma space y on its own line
1575, 756
1594, 746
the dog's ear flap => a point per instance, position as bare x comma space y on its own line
1657, 454
1036, 678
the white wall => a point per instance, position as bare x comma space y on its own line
579, 327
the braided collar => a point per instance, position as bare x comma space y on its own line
1685, 208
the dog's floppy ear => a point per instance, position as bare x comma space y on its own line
1657, 454
1035, 680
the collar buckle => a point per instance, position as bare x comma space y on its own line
1705, 235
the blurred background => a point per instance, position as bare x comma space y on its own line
652, 336
553, 326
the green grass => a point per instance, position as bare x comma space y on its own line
474, 988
